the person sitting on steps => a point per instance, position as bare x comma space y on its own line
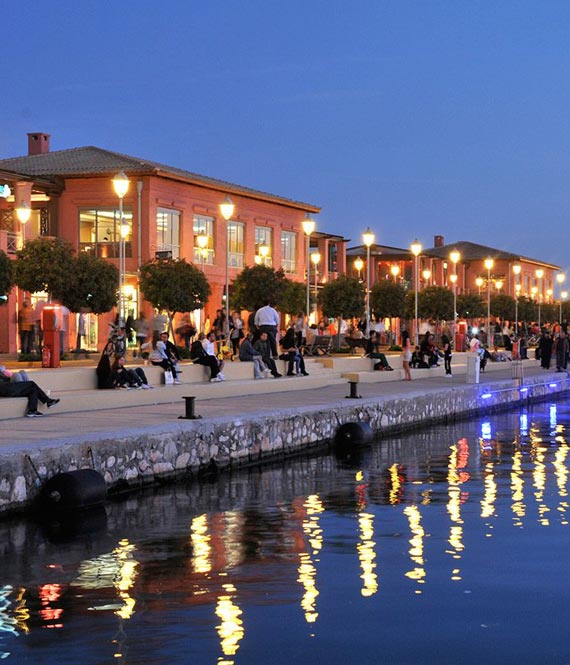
199, 356
29, 389
289, 345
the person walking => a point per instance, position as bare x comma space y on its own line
267, 320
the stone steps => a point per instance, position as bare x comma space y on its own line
77, 387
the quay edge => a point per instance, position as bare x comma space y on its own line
161, 453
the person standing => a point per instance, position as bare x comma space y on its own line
561, 351
446, 343
267, 320
26, 326
406, 355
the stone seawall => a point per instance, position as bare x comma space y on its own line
162, 452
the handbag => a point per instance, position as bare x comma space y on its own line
168, 377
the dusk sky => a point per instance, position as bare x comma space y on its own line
413, 118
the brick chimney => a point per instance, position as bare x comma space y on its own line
38, 143
438, 241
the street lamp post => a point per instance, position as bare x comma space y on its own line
426, 274
368, 239
23, 213
263, 254
539, 274
453, 280
517, 271
489, 264
416, 249
479, 283
202, 242
454, 257
563, 296
308, 225
121, 186
560, 278
315, 259
227, 208
395, 270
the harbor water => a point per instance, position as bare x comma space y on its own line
447, 545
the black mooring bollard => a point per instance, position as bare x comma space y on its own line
190, 415
353, 394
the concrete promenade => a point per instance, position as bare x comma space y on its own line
144, 443
59, 428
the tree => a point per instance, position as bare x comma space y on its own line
44, 264
173, 285
92, 285
387, 299
293, 298
471, 306
527, 309
342, 298
256, 286
6, 276
435, 303
503, 307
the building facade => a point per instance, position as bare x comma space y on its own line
71, 196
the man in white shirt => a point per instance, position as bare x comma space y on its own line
210, 348
267, 320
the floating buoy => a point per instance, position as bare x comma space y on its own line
72, 490
354, 434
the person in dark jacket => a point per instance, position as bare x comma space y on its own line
248, 354
262, 345
199, 356
289, 345
372, 351
29, 389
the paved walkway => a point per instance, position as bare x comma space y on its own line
30, 433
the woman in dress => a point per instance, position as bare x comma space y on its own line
406, 355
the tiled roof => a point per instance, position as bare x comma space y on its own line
90, 161
471, 251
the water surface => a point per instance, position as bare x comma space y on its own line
445, 546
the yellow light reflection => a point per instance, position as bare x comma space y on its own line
453, 506
230, 629
416, 551
201, 549
561, 474
395, 485
307, 572
538, 453
490, 494
126, 579
517, 489
367, 554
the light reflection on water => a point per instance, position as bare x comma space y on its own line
445, 546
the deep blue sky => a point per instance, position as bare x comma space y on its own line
416, 118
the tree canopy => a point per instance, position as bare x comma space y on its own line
470, 306
174, 285
388, 299
503, 306
434, 302
256, 286
92, 285
44, 264
342, 297
293, 297
6, 276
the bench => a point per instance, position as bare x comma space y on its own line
320, 346
355, 343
